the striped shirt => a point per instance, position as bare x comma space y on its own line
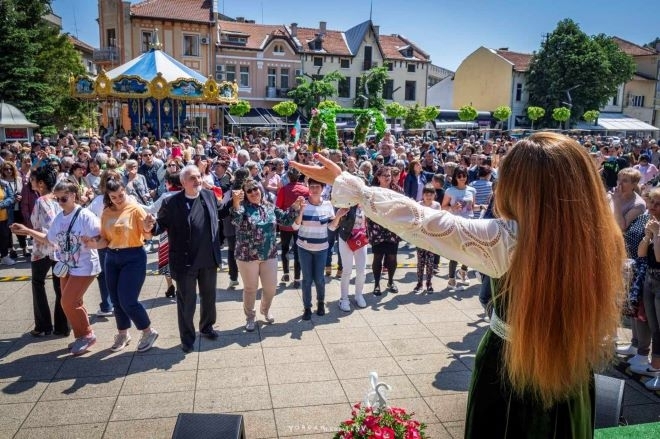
484, 190
313, 231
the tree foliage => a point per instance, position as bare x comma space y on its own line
328, 104
502, 113
561, 114
591, 115
240, 108
285, 108
371, 86
415, 117
535, 113
36, 62
430, 113
311, 91
467, 113
576, 70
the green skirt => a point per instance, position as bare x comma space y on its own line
494, 411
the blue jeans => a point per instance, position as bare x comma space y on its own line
125, 271
106, 303
333, 247
312, 265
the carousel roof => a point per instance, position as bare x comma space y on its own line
149, 64
12, 117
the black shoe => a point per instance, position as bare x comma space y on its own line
13, 254
62, 333
376, 291
37, 333
320, 309
296, 283
285, 278
171, 291
392, 288
417, 289
307, 315
429, 290
210, 334
186, 349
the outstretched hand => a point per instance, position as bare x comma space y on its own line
326, 174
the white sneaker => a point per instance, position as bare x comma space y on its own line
638, 360
7, 260
463, 276
100, 313
359, 301
645, 369
653, 384
121, 341
345, 305
626, 350
233, 284
249, 325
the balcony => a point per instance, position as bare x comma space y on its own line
106, 55
276, 93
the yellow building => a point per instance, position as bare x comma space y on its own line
489, 78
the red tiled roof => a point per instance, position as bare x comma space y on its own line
519, 60
81, 45
256, 34
633, 49
334, 42
188, 10
392, 44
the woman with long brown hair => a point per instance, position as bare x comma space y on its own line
549, 331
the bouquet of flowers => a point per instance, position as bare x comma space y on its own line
380, 423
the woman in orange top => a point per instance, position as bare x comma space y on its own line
125, 264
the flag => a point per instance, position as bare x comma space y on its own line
295, 131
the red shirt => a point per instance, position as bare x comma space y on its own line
287, 195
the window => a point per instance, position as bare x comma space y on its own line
146, 41
318, 61
636, 101
345, 63
411, 68
110, 38
278, 48
230, 73
272, 76
411, 87
191, 45
518, 92
298, 72
344, 87
388, 89
245, 76
390, 66
615, 99
317, 44
284, 78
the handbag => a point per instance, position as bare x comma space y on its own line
61, 269
358, 239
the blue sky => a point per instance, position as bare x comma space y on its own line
448, 30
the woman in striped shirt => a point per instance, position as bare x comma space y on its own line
312, 226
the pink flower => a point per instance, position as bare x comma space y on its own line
371, 422
383, 433
412, 433
347, 435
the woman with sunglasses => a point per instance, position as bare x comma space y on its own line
459, 200
66, 234
546, 315
45, 211
256, 223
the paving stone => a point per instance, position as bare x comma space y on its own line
233, 399
441, 383
357, 388
83, 387
361, 367
397, 332
160, 382
87, 431
274, 339
364, 349
455, 428
13, 415
429, 363
259, 424
342, 335
160, 428
439, 431
246, 376
295, 354
222, 359
307, 394
415, 346
152, 405
70, 412
448, 407
27, 370
95, 365
13, 391
175, 361
320, 419
300, 372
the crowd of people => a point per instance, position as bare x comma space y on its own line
92, 210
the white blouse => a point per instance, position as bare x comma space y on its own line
484, 244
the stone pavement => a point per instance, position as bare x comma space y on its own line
289, 379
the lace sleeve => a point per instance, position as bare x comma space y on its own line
485, 245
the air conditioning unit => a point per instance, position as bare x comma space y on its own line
219, 76
204, 40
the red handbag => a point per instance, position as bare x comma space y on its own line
358, 239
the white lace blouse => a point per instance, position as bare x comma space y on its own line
483, 244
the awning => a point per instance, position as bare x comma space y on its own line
456, 125
252, 118
617, 122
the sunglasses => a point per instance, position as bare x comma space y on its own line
62, 199
252, 189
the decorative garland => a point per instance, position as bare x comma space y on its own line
323, 126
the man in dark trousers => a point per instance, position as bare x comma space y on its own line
191, 220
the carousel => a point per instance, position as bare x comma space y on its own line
157, 93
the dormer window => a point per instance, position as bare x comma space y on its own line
237, 39
317, 43
278, 48
408, 53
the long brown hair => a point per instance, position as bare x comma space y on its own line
563, 288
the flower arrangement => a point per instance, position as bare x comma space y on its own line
380, 423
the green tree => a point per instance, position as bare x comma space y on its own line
591, 115
467, 113
370, 86
35, 65
574, 69
502, 113
535, 113
414, 117
240, 109
328, 104
430, 113
561, 114
395, 110
310, 91
286, 109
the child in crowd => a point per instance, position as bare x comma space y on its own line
425, 257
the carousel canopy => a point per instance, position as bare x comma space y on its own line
157, 75
12, 117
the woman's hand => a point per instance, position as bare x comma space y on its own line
89, 241
326, 174
299, 203
148, 223
341, 212
19, 229
237, 197
652, 228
